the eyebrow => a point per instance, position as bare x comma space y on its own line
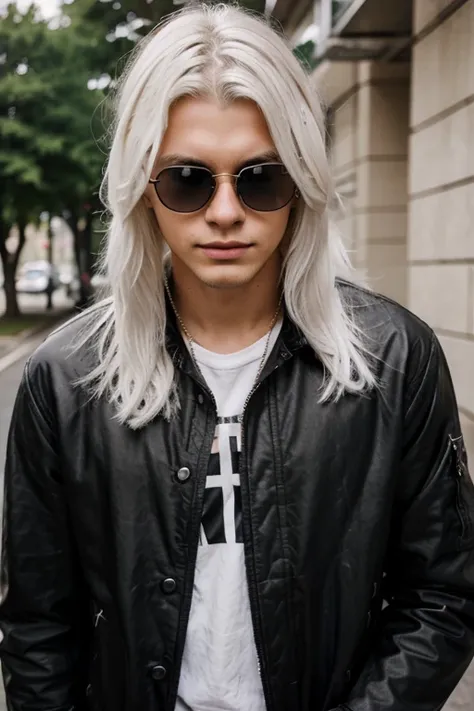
171, 159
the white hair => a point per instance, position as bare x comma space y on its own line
227, 53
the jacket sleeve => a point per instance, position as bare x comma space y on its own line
425, 639
43, 605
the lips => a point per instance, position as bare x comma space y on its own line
225, 250
232, 244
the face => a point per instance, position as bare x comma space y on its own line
225, 244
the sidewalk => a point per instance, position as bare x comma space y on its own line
37, 318
12, 348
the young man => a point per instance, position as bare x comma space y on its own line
239, 481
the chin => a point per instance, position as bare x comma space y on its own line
226, 277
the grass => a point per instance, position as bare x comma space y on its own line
15, 326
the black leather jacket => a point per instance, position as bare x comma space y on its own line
347, 506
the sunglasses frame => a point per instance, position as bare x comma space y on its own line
236, 176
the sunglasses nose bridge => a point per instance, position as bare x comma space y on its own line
233, 180
232, 188
225, 175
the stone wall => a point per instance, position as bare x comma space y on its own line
441, 192
441, 208
368, 138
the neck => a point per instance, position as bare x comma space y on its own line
226, 320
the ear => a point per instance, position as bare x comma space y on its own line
296, 197
147, 201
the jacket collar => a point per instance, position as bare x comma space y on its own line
290, 339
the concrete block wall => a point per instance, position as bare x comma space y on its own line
441, 208
337, 84
441, 192
381, 204
368, 129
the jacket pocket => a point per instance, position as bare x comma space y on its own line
464, 491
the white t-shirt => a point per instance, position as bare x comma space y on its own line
220, 669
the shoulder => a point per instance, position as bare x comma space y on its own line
373, 310
68, 352
390, 332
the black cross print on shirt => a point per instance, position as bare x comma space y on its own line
222, 524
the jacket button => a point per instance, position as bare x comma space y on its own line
168, 586
183, 474
158, 672
201, 399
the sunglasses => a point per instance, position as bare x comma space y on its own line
188, 188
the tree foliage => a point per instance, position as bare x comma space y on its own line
49, 158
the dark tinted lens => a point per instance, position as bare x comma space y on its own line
265, 187
184, 188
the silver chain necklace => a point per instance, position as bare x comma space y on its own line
191, 340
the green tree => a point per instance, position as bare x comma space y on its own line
21, 142
49, 159
305, 53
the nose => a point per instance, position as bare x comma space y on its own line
225, 208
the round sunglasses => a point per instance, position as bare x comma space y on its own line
188, 188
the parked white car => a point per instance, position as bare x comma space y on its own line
37, 277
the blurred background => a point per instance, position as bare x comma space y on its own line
397, 80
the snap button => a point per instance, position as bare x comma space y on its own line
183, 474
168, 586
201, 399
158, 672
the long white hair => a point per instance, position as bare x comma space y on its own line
223, 52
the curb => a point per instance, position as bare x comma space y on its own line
30, 339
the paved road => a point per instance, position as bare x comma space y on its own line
35, 303
9, 381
